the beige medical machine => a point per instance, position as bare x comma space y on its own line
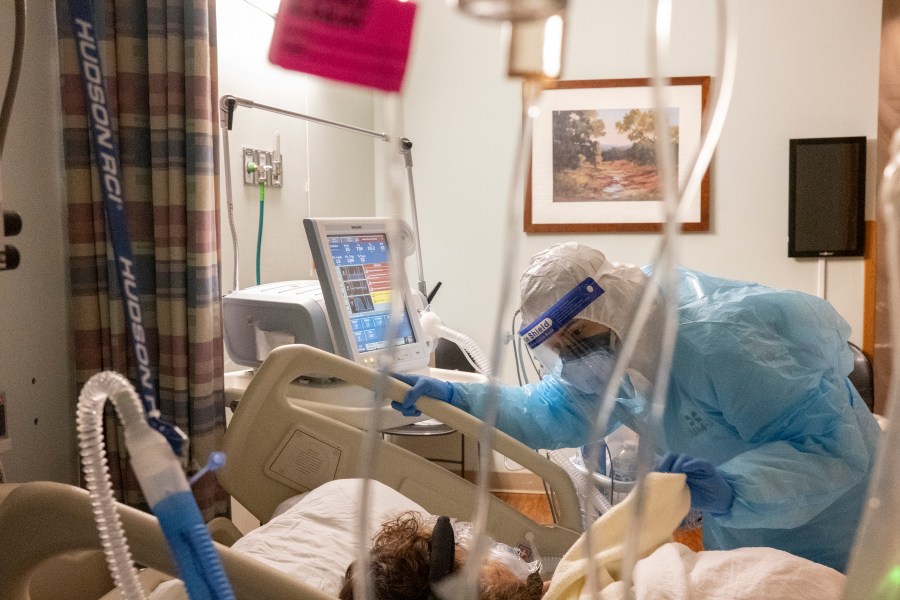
277, 449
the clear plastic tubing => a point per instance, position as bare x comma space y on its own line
165, 487
89, 422
433, 326
874, 569
581, 477
471, 348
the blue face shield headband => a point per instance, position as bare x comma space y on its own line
561, 313
573, 348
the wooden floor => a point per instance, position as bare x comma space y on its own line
534, 506
537, 508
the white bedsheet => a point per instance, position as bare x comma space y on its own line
314, 538
671, 571
674, 571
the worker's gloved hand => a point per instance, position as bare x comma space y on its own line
709, 490
421, 386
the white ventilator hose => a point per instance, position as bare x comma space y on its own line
434, 327
89, 421
581, 479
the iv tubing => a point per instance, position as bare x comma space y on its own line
723, 88
392, 110
89, 422
629, 343
659, 38
468, 577
722, 97
875, 560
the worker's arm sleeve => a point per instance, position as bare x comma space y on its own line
784, 484
797, 413
543, 415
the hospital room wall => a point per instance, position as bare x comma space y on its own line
806, 68
328, 172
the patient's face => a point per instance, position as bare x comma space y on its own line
499, 583
400, 562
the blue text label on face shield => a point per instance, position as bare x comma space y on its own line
561, 313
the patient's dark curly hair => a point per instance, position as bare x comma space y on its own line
400, 560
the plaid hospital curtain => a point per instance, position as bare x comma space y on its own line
160, 66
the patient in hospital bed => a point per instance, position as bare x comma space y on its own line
666, 570
401, 564
313, 536
293, 542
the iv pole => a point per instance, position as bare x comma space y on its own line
227, 106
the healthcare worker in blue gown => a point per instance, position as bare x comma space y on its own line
776, 443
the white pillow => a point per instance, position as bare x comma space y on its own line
314, 540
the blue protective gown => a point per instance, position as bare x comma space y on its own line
759, 388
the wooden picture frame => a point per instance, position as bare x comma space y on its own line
593, 159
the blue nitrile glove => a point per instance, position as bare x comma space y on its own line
709, 490
421, 386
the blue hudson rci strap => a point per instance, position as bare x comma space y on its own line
561, 313
106, 155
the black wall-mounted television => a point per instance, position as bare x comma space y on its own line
827, 197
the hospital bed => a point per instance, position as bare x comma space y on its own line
277, 449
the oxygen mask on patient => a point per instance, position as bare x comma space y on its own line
521, 563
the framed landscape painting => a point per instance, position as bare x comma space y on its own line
593, 156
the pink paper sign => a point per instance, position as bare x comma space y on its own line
364, 42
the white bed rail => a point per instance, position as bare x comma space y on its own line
266, 425
42, 520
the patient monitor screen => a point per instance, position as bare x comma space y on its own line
353, 265
364, 280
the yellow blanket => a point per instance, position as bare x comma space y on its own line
666, 503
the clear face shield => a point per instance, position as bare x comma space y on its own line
570, 344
